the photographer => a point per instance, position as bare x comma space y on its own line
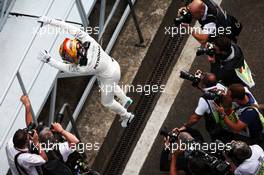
178, 161
173, 164
61, 149
227, 62
20, 158
195, 166
213, 19
206, 109
57, 152
249, 125
188, 155
177, 157
247, 159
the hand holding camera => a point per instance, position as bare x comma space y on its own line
57, 127
35, 138
209, 50
184, 17
220, 109
180, 11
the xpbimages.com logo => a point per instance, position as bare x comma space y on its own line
51, 30
192, 146
183, 30
141, 89
80, 147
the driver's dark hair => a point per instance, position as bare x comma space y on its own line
20, 138
223, 43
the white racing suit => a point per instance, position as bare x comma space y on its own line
100, 64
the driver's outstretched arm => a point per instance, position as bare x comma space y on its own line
72, 30
69, 68
45, 57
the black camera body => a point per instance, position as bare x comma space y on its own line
187, 2
217, 165
195, 79
208, 50
30, 129
216, 96
214, 161
34, 126
185, 17
173, 136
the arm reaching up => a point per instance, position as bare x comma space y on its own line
45, 57
72, 139
25, 100
72, 30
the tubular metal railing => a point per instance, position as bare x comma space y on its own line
60, 117
5, 6
111, 14
66, 108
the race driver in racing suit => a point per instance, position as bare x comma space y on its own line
83, 55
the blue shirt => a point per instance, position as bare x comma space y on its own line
251, 118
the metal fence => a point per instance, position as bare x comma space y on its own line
5, 6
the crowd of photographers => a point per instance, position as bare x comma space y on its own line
233, 117
42, 150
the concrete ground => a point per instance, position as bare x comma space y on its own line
251, 41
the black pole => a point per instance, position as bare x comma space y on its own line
60, 118
74, 127
141, 39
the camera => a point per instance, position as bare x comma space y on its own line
208, 50
216, 96
195, 79
194, 151
216, 165
33, 126
185, 17
30, 129
187, 2
81, 167
173, 136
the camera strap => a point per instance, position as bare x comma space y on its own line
19, 168
260, 168
218, 7
216, 119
